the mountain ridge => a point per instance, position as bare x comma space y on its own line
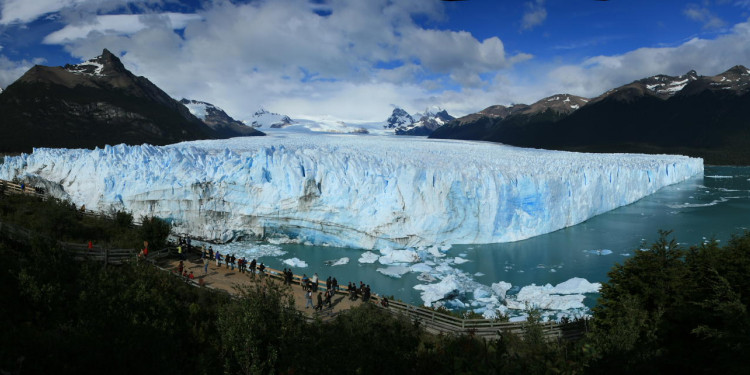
703, 116
91, 104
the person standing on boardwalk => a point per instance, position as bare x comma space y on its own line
252, 268
262, 270
319, 307
205, 266
314, 281
308, 299
328, 298
218, 259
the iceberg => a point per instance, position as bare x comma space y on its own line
295, 262
368, 192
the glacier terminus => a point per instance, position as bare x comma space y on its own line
361, 191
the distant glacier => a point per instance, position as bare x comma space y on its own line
357, 191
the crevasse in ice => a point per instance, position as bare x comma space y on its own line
359, 191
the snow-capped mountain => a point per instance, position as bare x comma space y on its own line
218, 120
398, 118
91, 104
703, 116
264, 119
405, 124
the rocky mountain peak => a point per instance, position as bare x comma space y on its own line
399, 117
106, 64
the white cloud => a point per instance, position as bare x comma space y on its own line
121, 24
353, 63
708, 57
534, 16
24, 11
704, 16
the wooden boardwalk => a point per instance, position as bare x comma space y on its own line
225, 280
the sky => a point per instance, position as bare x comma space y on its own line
355, 60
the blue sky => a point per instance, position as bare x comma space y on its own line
353, 60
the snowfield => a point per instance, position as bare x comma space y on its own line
368, 192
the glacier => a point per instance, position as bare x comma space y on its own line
366, 191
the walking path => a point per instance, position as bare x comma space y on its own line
226, 279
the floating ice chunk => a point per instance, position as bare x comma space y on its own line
248, 250
426, 277
435, 292
435, 251
337, 262
478, 274
481, 293
552, 270
394, 271
295, 262
577, 285
391, 256
459, 260
541, 300
501, 288
518, 318
421, 267
598, 252
368, 257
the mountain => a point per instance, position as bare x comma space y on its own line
399, 118
404, 124
218, 120
478, 125
704, 116
264, 119
91, 104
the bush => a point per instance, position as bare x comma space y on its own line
155, 231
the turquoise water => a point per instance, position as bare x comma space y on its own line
709, 207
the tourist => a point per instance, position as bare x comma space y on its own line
180, 267
262, 270
314, 281
218, 259
328, 298
210, 252
328, 283
366, 294
252, 268
308, 299
303, 281
319, 307
334, 284
205, 266
231, 262
191, 276
384, 302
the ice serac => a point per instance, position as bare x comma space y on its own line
366, 192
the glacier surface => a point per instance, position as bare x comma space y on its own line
369, 192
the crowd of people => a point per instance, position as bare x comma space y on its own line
310, 285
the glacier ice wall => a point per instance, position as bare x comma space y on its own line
358, 191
